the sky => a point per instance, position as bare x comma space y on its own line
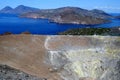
111, 6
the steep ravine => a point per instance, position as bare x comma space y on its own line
63, 57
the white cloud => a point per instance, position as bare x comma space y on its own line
108, 7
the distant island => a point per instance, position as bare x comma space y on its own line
64, 15
71, 15
18, 10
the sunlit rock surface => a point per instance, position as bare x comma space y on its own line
63, 57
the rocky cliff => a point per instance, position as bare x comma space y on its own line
63, 57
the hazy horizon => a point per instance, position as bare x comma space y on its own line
105, 5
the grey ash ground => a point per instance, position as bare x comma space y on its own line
8, 73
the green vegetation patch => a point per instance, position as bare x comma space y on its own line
91, 31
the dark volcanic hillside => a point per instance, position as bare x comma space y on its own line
71, 15
18, 10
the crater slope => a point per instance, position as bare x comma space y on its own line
63, 57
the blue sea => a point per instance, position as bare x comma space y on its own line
16, 25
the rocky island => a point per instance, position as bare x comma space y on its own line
63, 15
71, 15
